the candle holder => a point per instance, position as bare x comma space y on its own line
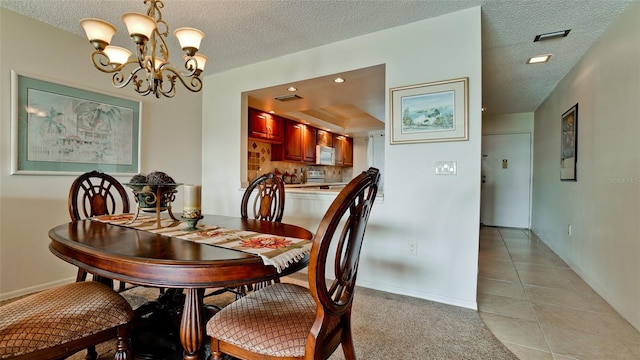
191, 213
191, 222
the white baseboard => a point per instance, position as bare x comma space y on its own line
32, 289
421, 295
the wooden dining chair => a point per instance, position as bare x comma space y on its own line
287, 321
264, 198
95, 193
58, 322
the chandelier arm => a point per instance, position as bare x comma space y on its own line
171, 92
139, 82
118, 80
194, 85
101, 62
191, 65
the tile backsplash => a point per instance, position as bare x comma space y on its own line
259, 162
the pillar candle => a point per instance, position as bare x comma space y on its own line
192, 199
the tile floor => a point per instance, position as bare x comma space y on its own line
540, 309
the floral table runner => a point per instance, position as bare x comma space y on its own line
278, 251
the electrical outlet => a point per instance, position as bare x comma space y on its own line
446, 168
413, 248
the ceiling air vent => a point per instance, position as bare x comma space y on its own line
288, 97
551, 35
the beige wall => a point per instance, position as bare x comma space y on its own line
603, 206
507, 124
30, 205
440, 214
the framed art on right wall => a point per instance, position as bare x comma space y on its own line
569, 144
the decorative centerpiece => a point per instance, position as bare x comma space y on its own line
154, 193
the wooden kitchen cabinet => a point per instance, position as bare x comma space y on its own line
324, 138
344, 150
265, 127
348, 151
299, 144
309, 144
293, 140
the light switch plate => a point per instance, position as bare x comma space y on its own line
446, 168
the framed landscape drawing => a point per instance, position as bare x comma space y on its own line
431, 112
63, 130
569, 145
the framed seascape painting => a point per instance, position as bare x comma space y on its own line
431, 112
569, 145
63, 130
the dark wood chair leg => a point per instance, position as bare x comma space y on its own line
123, 350
241, 292
347, 340
92, 354
82, 275
215, 350
347, 348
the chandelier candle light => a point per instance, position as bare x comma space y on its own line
152, 72
192, 211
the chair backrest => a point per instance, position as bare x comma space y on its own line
95, 193
267, 203
348, 213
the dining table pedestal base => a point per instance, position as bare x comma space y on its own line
192, 325
155, 335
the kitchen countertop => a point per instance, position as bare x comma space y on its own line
316, 185
316, 191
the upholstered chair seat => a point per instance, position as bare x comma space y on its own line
245, 322
57, 322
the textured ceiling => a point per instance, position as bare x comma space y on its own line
240, 32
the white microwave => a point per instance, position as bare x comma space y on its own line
325, 155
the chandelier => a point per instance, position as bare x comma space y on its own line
151, 73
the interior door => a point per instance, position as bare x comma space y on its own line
506, 180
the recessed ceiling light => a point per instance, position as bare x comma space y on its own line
292, 88
339, 80
539, 59
551, 35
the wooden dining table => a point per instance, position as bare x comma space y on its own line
151, 259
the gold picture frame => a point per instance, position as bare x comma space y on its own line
430, 112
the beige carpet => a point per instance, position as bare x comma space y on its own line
389, 326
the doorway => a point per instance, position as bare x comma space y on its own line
506, 180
